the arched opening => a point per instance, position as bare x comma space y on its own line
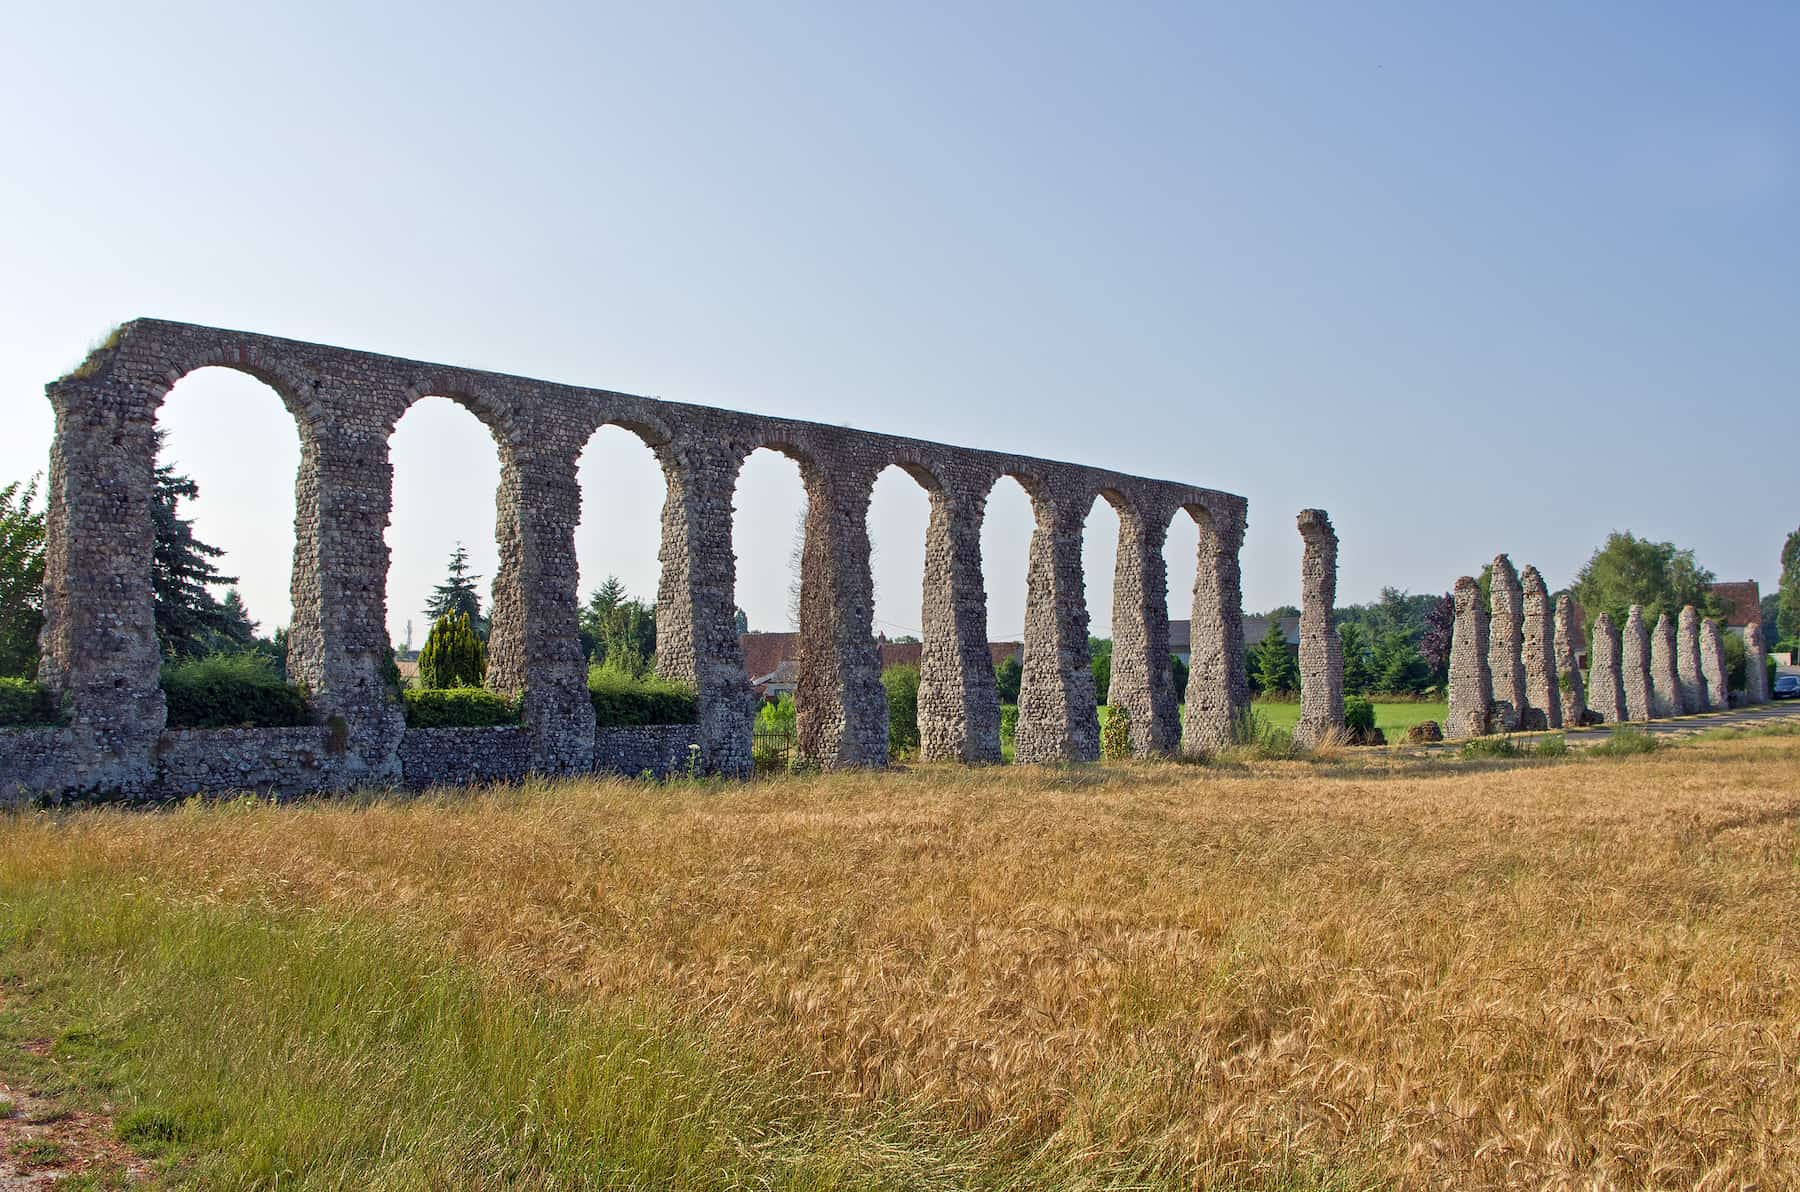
228, 452
768, 535
1181, 546
1099, 557
443, 548
899, 521
618, 541
1006, 528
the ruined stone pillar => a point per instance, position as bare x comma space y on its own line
1058, 718
1505, 636
1608, 689
1143, 681
696, 636
841, 717
1756, 664
98, 643
534, 638
1218, 692
1634, 667
1542, 699
1687, 661
1568, 663
1665, 682
1471, 686
959, 712
1321, 653
1715, 687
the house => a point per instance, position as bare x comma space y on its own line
1255, 629
1742, 600
772, 660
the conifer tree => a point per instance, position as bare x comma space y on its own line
188, 615
453, 655
457, 594
21, 579
1271, 666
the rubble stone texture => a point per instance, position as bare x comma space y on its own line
1756, 665
1716, 689
1607, 692
1142, 680
1505, 641
1690, 682
1665, 684
1568, 663
1321, 652
99, 647
1543, 702
1634, 667
1471, 688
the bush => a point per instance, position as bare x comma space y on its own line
1627, 739
1007, 675
231, 691
1554, 745
622, 700
1009, 728
453, 656
902, 684
458, 707
773, 739
1115, 734
1490, 747
1359, 716
24, 702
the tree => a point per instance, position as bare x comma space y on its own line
457, 594
21, 579
1771, 617
453, 655
1272, 668
1101, 667
1434, 642
1281, 611
236, 631
1399, 668
1007, 674
1359, 671
740, 622
1180, 670
1787, 616
1629, 570
902, 684
189, 618
617, 631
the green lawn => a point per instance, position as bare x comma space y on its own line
1393, 719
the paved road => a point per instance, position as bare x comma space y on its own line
1788, 711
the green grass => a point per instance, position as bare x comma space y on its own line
1393, 719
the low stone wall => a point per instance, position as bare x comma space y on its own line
34, 760
285, 761
659, 749
452, 756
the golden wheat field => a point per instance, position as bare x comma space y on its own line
1571, 973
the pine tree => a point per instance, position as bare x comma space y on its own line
182, 572
1271, 666
457, 594
453, 655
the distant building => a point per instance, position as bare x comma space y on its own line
772, 660
1742, 600
1255, 629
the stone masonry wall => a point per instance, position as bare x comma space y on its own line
1712, 667
1608, 690
458, 756
99, 650
1505, 643
655, 749
1568, 663
1321, 653
1689, 682
1634, 667
1756, 665
1471, 687
1665, 684
1542, 699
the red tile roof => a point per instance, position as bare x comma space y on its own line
1742, 600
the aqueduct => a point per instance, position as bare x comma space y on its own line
100, 654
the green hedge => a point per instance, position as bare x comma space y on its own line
622, 700
458, 707
24, 702
231, 691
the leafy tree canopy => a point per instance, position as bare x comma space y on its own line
1629, 570
1787, 616
618, 631
21, 578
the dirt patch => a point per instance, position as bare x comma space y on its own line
44, 1143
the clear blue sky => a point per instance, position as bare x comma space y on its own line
1473, 278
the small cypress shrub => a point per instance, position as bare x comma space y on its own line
458, 707
902, 684
1115, 734
22, 701
621, 699
231, 691
453, 655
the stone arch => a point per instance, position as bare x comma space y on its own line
655, 437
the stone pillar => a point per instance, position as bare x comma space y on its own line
1608, 689
1542, 699
841, 717
1687, 662
1665, 683
1321, 653
1058, 717
1716, 686
1143, 682
959, 712
1634, 667
338, 646
534, 638
696, 637
1568, 663
1504, 644
1218, 692
1756, 664
1471, 686
98, 643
